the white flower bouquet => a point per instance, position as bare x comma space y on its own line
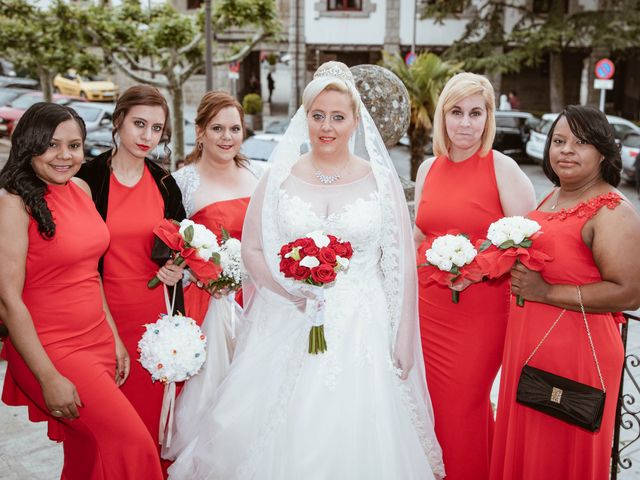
229, 258
452, 256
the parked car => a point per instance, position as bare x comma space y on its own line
95, 88
259, 146
629, 151
7, 95
512, 132
538, 137
95, 115
19, 82
97, 142
11, 113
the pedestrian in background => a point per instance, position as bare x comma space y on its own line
65, 357
593, 233
133, 194
271, 84
513, 100
465, 188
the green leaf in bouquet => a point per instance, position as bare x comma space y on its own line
526, 243
507, 244
225, 234
215, 256
455, 270
464, 235
188, 234
484, 245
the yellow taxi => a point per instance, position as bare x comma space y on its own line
94, 88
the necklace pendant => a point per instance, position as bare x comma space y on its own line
326, 179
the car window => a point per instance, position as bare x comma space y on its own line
6, 97
508, 122
620, 130
258, 149
25, 101
544, 126
88, 114
632, 141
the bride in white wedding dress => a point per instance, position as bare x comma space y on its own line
360, 410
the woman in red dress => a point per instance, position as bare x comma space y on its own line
133, 194
65, 358
465, 188
593, 233
216, 186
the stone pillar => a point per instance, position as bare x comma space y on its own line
298, 53
392, 27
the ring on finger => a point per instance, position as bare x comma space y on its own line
56, 413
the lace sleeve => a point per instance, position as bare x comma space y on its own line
188, 181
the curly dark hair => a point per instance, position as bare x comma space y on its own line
591, 126
31, 138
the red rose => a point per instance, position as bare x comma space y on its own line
302, 242
327, 255
285, 265
298, 272
310, 250
332, 240
323, 273
343, 249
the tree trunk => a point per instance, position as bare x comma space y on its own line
178, 125
556, 82
417, 141
45, 85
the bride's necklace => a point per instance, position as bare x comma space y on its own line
581, 192
328, 179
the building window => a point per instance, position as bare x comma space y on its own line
193, 4
341, 5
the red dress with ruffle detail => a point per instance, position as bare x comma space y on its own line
62, 294
530, 445
228, 214
462, 343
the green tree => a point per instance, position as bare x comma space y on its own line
542, 29
424, 79
44, 42
163, 47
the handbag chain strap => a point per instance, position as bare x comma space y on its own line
586, 324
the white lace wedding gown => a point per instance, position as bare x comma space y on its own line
283, 414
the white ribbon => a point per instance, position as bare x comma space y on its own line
231, 301
166, 415
315, 307
169, 304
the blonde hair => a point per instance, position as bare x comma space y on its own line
461, 86
331, 76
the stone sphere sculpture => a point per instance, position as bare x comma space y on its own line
386, 99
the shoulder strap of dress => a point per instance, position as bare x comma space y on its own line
588, 209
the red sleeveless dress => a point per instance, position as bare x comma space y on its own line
530, 445
230, 215
462, 343
62, 293
132, 214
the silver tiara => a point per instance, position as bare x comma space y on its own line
336, 72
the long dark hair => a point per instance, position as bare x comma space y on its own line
141, 95
31, 138
591, 126
209, 107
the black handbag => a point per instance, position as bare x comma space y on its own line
565, 399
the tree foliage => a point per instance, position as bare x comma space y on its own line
424, 79
488, 47
163, 47
44, 42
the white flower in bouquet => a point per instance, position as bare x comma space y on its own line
319, 238
512, 232
199, 237
173, 349
231, 260
451, 252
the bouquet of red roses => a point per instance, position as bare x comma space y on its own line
315, 259
193, 244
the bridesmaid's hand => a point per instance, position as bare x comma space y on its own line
528, 284
123, 362
170, 274
61, 396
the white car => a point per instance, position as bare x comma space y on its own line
538, 138
629, 150
95, 115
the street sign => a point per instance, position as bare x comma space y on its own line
410, 58
234, 67
605, 69
602, 84
234, 75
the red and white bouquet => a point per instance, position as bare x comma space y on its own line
193, 244
315, 259
509, 240
452, 257
229, 258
